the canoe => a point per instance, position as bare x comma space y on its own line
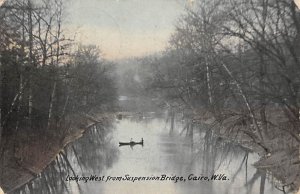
131, 143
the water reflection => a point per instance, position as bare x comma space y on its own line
87, 156
196, 152
199, 153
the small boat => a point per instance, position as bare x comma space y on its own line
131, 143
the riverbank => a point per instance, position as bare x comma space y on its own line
281, 160
28, 154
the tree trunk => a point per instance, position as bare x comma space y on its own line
262, 183
246, 101
208, 80
1, 129
31, 64
263, 73
52, 101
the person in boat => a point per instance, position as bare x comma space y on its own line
142, 141
131, 141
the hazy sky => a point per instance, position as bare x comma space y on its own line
125, 28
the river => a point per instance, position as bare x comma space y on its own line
163, 153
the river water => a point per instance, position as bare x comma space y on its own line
163, 153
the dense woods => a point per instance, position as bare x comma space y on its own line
52, 89
45, 76
238, 60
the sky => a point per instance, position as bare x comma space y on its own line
124, 28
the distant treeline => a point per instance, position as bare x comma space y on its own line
46, 77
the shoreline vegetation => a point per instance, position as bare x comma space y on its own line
281, 162
52, 89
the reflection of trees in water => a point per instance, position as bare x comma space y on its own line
52, 180
258, 174
209, 152
95, 152
89, 155
216, 152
